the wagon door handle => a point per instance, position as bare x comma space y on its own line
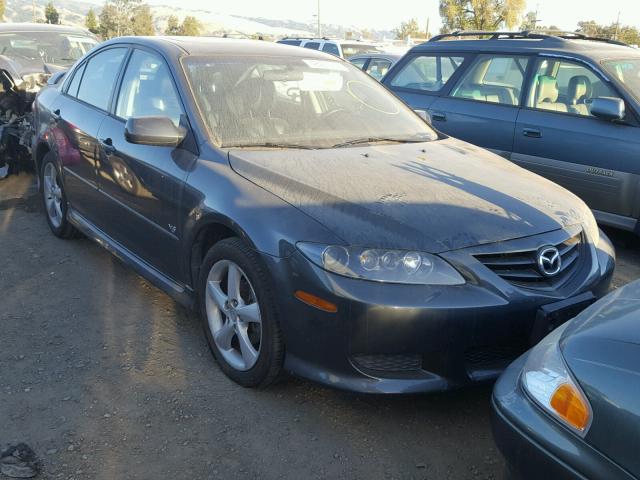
532, 133
439, 116
56, 114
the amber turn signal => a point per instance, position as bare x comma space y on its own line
316, 302
569, 403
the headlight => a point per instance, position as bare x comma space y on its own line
381, 265
591, 228
547, 379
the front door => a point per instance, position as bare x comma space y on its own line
482, 108
558, 138
144, 183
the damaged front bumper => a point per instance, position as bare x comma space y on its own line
16, 126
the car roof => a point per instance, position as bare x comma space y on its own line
175, 45
40, 27
588, 49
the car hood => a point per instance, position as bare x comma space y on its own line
602, 349
434, 197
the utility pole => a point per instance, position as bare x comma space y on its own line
617, 26
427, 32
33, 10
318, 16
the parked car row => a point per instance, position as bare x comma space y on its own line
320, 227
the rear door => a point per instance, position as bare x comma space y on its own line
80, 111
420, 77
557, 137
143, 183
482, 107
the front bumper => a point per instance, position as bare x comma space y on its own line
390, 338
537, 446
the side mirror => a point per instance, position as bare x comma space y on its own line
423, 115
157, 131
607, 108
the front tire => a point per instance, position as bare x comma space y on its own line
239, 314
54, 198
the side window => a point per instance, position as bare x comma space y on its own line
100, 77
566, 86
378, 67
312, 45
75, 81
331, 48
429, 73
358, 62
295, 43
493, 79
147, 89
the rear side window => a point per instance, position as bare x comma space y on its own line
295, 43
358, 62
378, 68
100, 76
312, 45
427, 72
75, 81
331, 48
493, 79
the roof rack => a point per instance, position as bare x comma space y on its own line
306, 38
532, 34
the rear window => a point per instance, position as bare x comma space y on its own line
312, 45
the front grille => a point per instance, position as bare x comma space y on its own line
520, 267
492, 355
389, 363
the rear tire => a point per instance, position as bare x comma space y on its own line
54, 199
239, 314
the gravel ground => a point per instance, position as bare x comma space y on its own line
106, 377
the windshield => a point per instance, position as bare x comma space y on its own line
297, 101
58, 48
351, 49
627, 72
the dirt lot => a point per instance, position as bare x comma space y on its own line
106, 377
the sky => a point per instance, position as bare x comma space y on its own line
385, 14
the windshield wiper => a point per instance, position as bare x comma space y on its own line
359, 141
270, 145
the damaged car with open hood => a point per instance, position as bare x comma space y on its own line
31, 54
317, 224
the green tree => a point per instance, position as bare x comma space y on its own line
173, 28
407, 29
190, 26
125, 17
143, 21
51, 15
91, 22
480, 14
623, 33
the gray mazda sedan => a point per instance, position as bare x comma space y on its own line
569, 408
317, 224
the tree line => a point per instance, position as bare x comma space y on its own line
494, 15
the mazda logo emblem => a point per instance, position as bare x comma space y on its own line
549, 261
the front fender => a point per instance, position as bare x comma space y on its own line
216, 195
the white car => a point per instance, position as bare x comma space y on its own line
339, 48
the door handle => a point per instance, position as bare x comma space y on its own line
107, 146
56, 114
532, 133
439, 116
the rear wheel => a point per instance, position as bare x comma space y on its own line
54, 199
239, 314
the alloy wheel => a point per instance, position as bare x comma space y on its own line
52, 195
233, 314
